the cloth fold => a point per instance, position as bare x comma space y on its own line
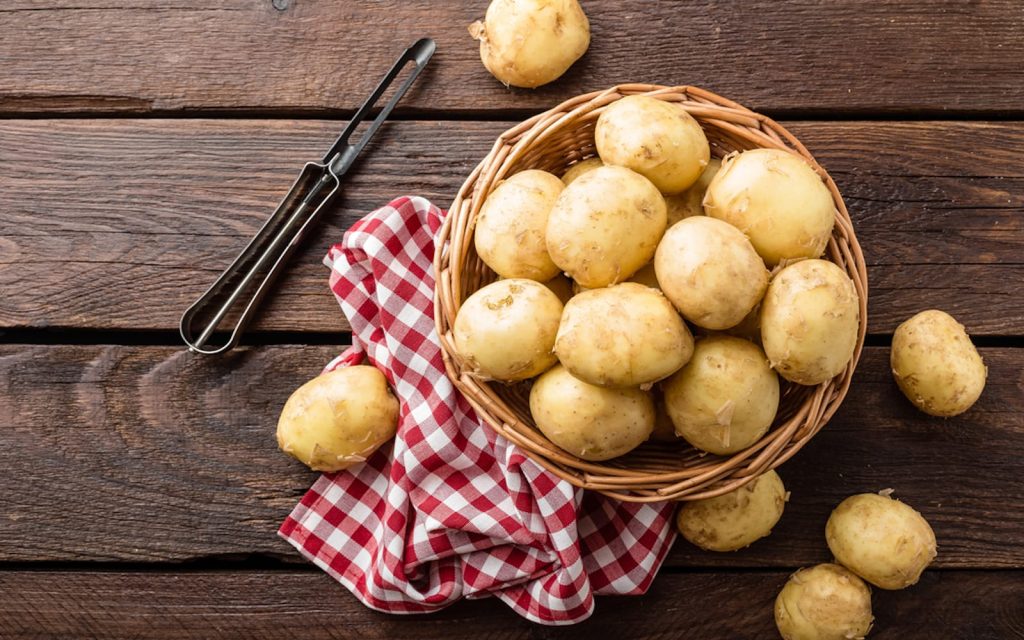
450, 510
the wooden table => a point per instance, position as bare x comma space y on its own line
142, 142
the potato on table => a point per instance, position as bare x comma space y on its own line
936, 365
882, 540
527, 43
736, 519
824, 602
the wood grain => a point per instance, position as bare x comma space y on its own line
119, 224
116, 604
149, 454
288, 55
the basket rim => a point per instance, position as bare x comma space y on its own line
701, 476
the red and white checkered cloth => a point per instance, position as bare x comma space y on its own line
452, 510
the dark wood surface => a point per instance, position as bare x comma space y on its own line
143, 214
247, 55
142, 143
159, 431
975, 605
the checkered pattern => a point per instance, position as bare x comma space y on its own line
451, 510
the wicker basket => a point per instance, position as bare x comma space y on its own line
552, 141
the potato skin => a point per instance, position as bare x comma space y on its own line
936, 365
506, 330
590, 422
824, 602
338, 418
777, 200
725, 398
512, 225
622, 336
528, 43
882, 540
691, 202
810, 320
605, 226
736, 519
664, 430
710, 272
578, 169
657, 139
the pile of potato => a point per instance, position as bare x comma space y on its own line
608, 274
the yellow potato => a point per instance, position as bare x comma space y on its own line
506, 330
710, 272
736, 519
338, 418
527, 43
882, 540
622, 336
777, 200
590, 422
580, 168
511, 227
726, 396
657, 139
749, 327
810, 321
824, 602
691, 202
605, 226
936, 365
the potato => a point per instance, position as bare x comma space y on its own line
506, 330
527, 43
590, 422
777, 200
691, 202
622, 336
736, 519
511, 227
657, 139
578, 169
726, 396
882, 540
936, 365
605, 226
338, 418
810, 320
710, 272
824, 602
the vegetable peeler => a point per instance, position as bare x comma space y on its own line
263, 258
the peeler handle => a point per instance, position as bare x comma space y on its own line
258, 264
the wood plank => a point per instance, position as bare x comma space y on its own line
149, 454
120, 224
853, 56
210, 605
